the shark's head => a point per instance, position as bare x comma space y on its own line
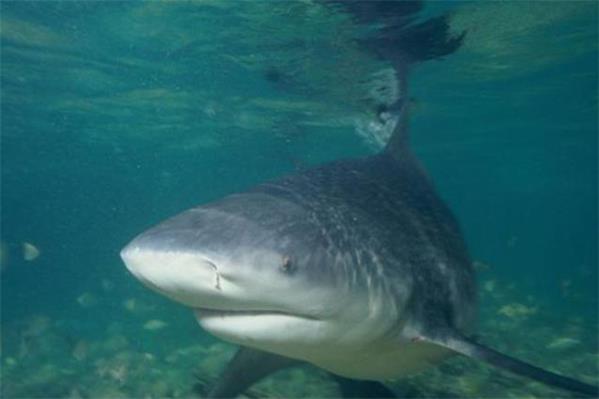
257, 270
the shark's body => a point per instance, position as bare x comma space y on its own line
373, 229
356, 266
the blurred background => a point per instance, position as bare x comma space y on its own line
116, 115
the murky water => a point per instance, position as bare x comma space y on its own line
118, 115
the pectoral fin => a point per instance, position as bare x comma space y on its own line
477, 351
247, 367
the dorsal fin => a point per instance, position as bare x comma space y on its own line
399, 142
477, 351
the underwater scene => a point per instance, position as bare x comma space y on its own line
116, 116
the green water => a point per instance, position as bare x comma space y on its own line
116, 115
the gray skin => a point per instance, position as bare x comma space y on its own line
356, 266
342, 225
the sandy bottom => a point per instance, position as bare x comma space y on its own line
139, 355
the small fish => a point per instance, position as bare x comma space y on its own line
154, 324
30, 252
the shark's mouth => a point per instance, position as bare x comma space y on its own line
270, 330
210, 312
279, 332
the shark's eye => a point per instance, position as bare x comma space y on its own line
287, 265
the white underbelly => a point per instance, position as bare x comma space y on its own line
383, 362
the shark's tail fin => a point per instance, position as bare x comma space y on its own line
477, 351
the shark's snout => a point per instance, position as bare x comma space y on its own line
183, 276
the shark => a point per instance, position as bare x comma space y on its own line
356, 266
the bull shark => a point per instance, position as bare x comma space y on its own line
356, 266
